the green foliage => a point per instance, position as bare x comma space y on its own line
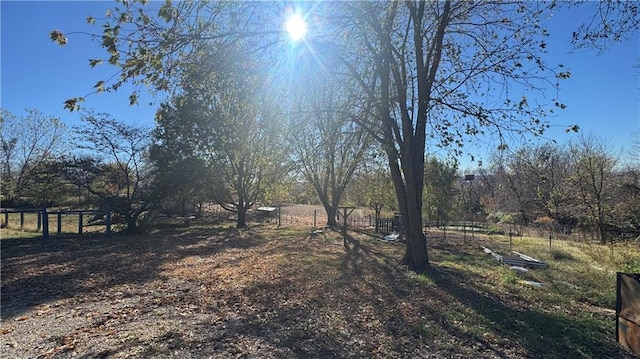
504, 218
58, 37
94, 62
440, 190
507, 275
223, 131
372, 185
174, 153
72, 104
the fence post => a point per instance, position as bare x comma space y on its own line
108, 220
510, 240
464, 231
39, 221
21, 220
59, 222
344, 228
45, 223
6, 218
79, 222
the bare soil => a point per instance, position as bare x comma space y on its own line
212, 291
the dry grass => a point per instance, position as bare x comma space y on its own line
28, 226
213, 291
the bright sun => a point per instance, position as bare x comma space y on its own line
296, 27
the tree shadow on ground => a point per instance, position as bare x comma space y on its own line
295, 297
36, 271
551, 333
547, 333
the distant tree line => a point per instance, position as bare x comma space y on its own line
583, 186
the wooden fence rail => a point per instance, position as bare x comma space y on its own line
42, 221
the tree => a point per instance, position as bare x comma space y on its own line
534, 181
433, 64
46, 187
151, 46
117, 172
327, 144
180, 173
518, 193
487, 188
372, 185
440, 190
27, 143
564, 186
625, 203
225, 129
594, 164
612, 21
551, 170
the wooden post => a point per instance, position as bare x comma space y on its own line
38, 221
344, 227
611, 246
464, 230
314, 218
79, 222
45, 223
59, 222
510, 240
108, 220
21, 220
344, 222
279, 218
6, 218
473, 228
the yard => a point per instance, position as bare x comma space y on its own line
210, 290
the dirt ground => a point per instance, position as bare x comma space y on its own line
212, 291
190, 293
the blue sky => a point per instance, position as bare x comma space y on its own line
602, 95
39, 74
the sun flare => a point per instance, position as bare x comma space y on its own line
296, 27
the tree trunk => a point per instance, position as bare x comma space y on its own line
416, 244
378, 208
602, 231
409, 201
242, 217
331, 215
132, 223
